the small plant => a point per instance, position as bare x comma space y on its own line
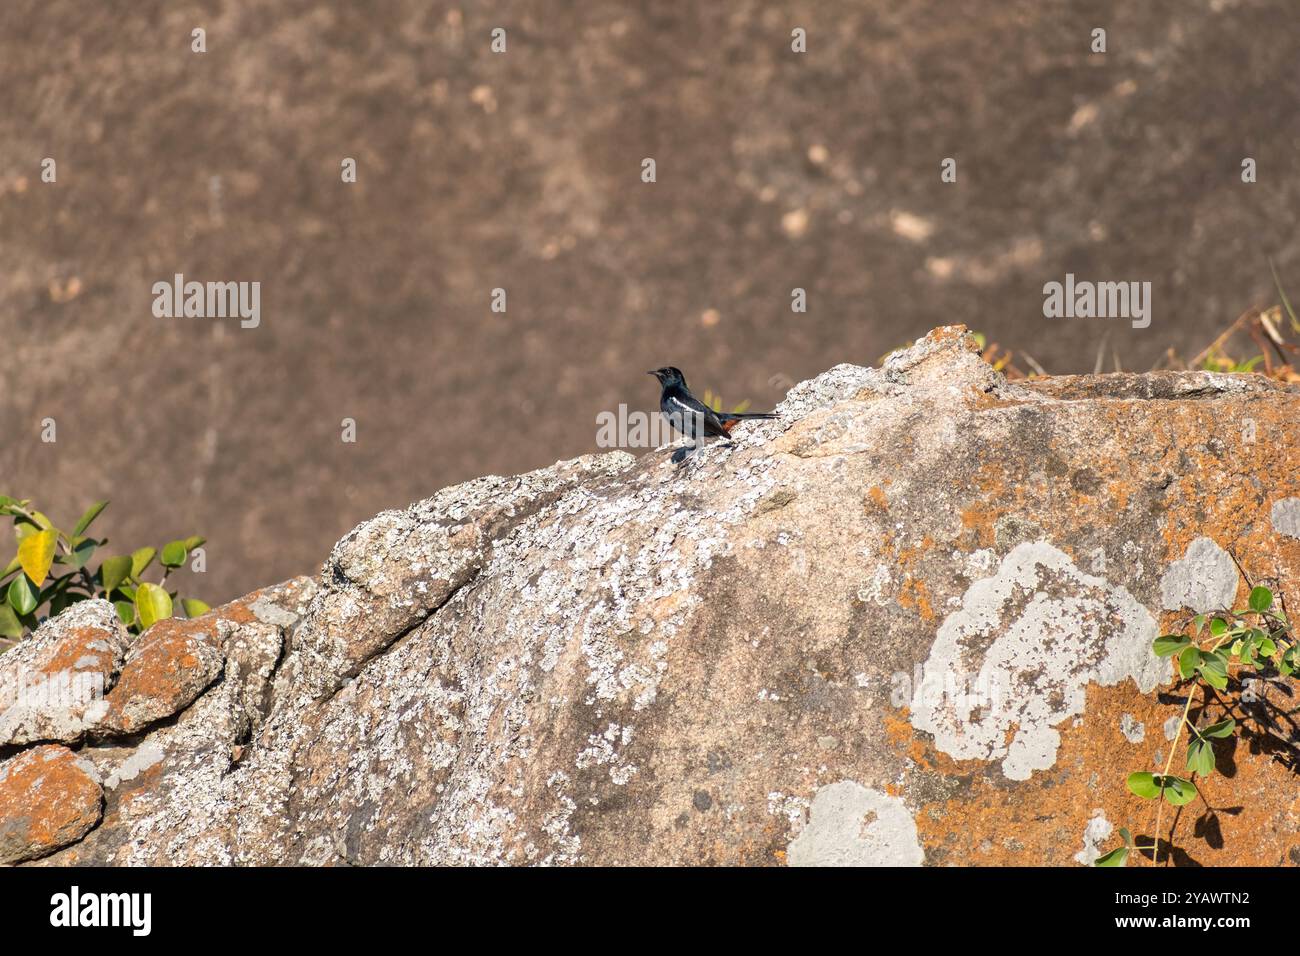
1259, 636
52, 570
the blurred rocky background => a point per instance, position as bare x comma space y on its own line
522, 170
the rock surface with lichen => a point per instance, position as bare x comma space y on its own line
907, 622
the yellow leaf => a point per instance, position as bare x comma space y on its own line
153, 604
36, 554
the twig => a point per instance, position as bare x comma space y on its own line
1101, 354
1033, 363
1218, 343
1274, 339
1242, 571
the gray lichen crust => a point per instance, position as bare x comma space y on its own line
1034, 636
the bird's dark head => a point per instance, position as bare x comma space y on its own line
669, 376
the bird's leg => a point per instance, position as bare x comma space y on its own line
681, 454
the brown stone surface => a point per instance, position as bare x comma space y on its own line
166, 670
49, 797
52, 684
616, 660
150, 782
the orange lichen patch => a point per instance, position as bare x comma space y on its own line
238, 612
897, 728
906, 558
1120, 492
913, 595
904, 738
1213, 500
981, 521
991, 478
167, 669
84, 649
1212, 468
47, 800
1042, 820
876, 495
946, 334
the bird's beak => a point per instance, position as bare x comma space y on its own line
652, 373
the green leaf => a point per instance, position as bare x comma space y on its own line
1245, 649
113, 572
1266, 647
194, 607
1200, 758
1115, 857
1214, 668
173, 554
1179, 792
153, 604
1218, 627
91, 514
9, 626
141, 559
1169, 644
1187, 661
22, 595
125, 612
1261, 599
1128, 837
193, 541
82, 549
1223, 728
1143, 785
36, 554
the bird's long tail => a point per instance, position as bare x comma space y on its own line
731, 419
740, 416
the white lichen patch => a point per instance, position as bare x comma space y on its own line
876, 590
1095, 833
1286, 517
148, 754
793, 809
1204, 579
852, 825
1014, 662
1134, 730
1171, 726
603, 749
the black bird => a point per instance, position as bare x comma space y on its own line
690, 416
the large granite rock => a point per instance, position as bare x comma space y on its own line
908, 622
